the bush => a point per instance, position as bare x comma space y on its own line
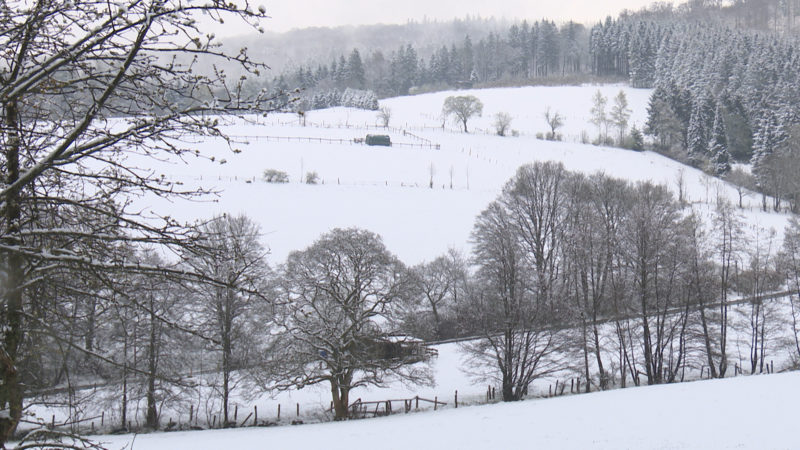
312, 178
275, 176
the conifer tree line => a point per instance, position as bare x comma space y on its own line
526, 52
722, 94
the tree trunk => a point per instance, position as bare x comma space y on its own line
586, 356
600, 369
341, 399
151, 419
11, 389
124, 406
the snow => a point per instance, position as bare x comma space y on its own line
386, 190
700, 415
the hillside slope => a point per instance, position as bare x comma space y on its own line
756, 412
388, 190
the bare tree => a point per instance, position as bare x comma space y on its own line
437, 284
744, 183
680, 184
596, 208
790, 260
84, 87
759, 278
728, 234
339, 294
232, 255
655, 248
516, 250
463, 107
555, 121
385, 116
620, 115
599, 116
502, 121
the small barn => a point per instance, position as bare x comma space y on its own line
378, 139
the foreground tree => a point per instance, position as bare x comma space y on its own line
230, 309
463, 107
87, 89
517, 246
790, 260
340, 297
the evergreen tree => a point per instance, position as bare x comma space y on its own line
355, 70
467, 59
696, 135
767, 139
341, 76
637, 139
642, 59
718, 146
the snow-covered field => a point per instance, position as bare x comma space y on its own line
387, 190
757, 412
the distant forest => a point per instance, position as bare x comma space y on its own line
725, 75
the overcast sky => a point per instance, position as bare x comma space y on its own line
288, 14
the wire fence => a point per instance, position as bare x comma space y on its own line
340, 141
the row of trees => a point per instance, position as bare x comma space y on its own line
612, 279
554, 256
317, 318
526, 52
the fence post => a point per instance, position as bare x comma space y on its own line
102, 418
435, 403
235, 414
456, 399
417, 405
298, 409
279, 411
191, 412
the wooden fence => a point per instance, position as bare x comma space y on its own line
321, 140
360, 409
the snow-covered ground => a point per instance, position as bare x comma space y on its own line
387, 190
757, 412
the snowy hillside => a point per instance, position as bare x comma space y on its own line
658, 417
387, 190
